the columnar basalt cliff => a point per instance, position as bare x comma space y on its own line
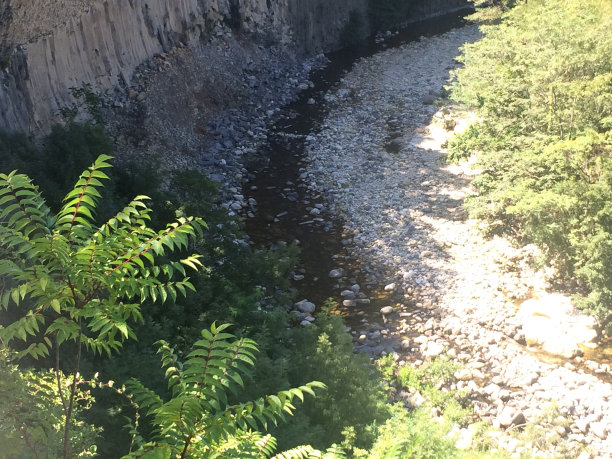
48, 47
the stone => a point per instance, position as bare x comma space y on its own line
428, 99
386, 310
583, 425
433, 349
463, 375
600, 429
415, 400
336, 273
493, 390
390, 287
305, 306
511, 416
465, 438
552, 324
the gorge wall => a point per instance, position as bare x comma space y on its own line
48, 47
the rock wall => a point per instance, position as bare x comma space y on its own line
48, 47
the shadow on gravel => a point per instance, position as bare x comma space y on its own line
285, 206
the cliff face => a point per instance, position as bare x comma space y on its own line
50, 46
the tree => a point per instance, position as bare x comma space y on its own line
541, 83
31, 414
198, 421
76, 284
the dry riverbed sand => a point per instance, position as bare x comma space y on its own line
378, 156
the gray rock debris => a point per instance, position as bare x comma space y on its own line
403, 211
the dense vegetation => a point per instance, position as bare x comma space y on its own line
237, 284
45, 323
541, 82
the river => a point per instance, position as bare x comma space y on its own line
285, 203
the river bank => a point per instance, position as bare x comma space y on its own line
450, 291
373, 162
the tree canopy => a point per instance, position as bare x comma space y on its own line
541, 81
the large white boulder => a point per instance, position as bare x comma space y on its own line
552, 324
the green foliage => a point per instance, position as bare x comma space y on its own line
413, 434
87, 99
541, 81
354, 397
31, 415
54, 166
541, 434
70, 274
198, 421
427, 380
353, 31
73, 282
388, 13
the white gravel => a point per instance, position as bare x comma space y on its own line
378, 156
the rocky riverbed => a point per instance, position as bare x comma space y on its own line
378, 157
448, 291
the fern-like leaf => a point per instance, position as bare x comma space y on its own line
147, 400
80, 202
299, 452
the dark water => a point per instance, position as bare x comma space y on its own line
284, 202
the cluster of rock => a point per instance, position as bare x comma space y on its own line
50, 46
449, 290
217, 123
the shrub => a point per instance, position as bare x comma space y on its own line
541, 81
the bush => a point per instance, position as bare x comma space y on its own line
413, 434
354, 397
31, 415
541, 81
57, 163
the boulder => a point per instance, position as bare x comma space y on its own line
305, 306
511, 417
552, 324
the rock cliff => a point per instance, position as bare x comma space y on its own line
48, 47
